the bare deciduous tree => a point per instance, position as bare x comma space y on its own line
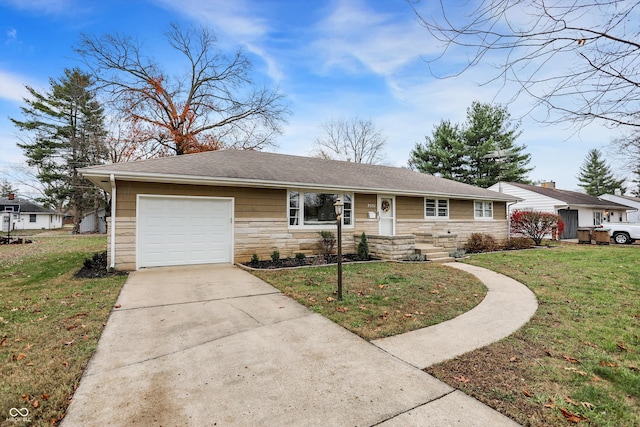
580, 59
355, 140
214, 104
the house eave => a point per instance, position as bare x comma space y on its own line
102, 180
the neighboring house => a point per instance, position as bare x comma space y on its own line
224, 206
633, 203
23, 214
575, 209
89, 221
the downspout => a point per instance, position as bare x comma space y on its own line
113, 222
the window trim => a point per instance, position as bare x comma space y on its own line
300, 209
484, 210
33, 218
437, 208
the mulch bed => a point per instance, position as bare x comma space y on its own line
96, 267
14, 240
301, 262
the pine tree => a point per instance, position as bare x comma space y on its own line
596, 177
481, 152
6, 188
442, 154
66, 132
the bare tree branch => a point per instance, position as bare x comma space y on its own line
580, 59
355, 140
204, 109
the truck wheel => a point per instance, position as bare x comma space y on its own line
622, 238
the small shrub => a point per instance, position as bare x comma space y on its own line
363, 247
275, 256
478, 242
300, 256
457, 253
516, 243
327, 242
255, 259
417, 257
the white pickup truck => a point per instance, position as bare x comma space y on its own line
622, 232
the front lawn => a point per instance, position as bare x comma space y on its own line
578, 359
50, 323
383, 298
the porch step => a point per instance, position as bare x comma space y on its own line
432, 253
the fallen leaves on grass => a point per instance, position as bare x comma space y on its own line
570, 359
608, 364
527, 392
572, 417
462, 379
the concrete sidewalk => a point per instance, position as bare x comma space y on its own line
507, 306
214, 345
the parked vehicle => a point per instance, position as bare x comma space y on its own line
622, 232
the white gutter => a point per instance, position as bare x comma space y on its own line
113, 221
236, 182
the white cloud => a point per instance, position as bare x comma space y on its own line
238, 19
353, 36
12, 86
44, 6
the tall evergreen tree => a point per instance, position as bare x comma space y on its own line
66, 132
596, 177
6, 188
480, 152
442, 154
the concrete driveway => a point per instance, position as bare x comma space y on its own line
214, 345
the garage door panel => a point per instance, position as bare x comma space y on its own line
179, 231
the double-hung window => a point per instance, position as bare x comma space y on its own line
315, 209
483, 209
436, 208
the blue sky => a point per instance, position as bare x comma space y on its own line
333, 59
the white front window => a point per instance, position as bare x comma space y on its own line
436, 208
316, 209
483, 209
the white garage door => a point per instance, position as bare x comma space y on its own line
184, 230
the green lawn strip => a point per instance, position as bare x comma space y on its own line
579, 356
50, 324
383, 298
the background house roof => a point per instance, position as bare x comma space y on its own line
26, 206
570, 197
256, 168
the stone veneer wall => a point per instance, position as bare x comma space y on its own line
264, 236
391, 247
451, 234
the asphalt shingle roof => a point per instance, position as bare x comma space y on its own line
26, 206
569, 197
257, 168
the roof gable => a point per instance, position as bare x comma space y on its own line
256, 168
568, 197
26, 206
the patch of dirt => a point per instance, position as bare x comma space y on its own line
300, 262
96, 267
497, 376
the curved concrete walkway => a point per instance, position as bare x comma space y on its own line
214, 345
507, 306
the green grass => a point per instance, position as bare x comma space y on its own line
383, 298
580, 353
50, 322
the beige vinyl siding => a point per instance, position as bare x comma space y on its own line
249, 202
409, 207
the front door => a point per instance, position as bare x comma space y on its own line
387, 215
